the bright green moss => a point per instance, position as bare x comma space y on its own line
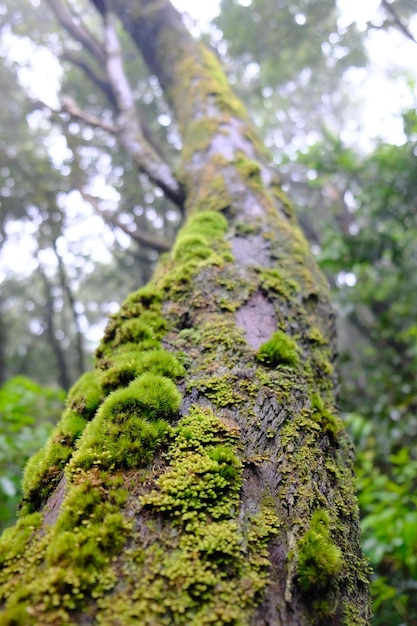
320, 560
191, 247
125, 366
209, 570
85, 396
148, 327
200, 244
211, 223
71, 425
68, 562
44, 470
42, 473
280, 349
129, 426
146, 296
14, 540
158, 396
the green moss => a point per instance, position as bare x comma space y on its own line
272, 280
209, 570
331, 424
200, 244
222, 390
244, 230
249, 170
14, 540
199, 136
190, 247
130, 425
280, 349
42, 473
85, 396
147, 327
123, 367
212, 223
59, 568
316, 336
319, 559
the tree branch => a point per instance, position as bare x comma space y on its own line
77, 29
143, 238
130, 133
401, 26
69, 105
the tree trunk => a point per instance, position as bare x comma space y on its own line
227, 497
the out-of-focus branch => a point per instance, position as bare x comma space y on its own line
397, 20
68, 105
141, 237
74, 25
130, 133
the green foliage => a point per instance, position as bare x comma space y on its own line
27, 412
388, 502
368, 253
280, 349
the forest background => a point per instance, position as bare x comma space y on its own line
332, 90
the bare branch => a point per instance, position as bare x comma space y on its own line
131, 134
70, 106
141, 237
75, 27
397, 20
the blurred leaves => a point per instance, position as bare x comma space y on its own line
27, 415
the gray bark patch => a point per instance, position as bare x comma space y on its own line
257, 319
250, 250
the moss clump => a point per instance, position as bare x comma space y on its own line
191, 247
248, 168
44, 470
212, 223
122, 368
14, 540
129, 426
320, 560
272, 280
280, 349
85, 396
200, 244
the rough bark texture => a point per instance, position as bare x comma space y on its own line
233, 502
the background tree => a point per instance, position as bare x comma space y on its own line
232, 491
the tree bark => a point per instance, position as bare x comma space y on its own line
234, 502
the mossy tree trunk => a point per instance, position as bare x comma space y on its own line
200, 474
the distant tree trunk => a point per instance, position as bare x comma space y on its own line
228, 497
78, 337
63, 374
